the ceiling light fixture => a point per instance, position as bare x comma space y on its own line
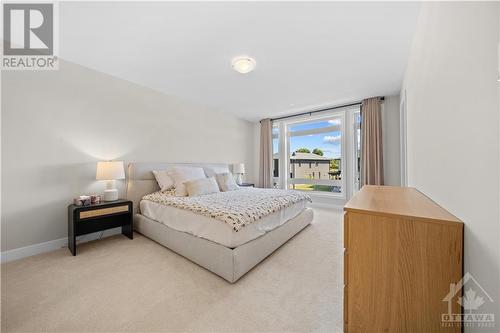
243, 64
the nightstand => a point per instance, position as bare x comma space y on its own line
84, 220
246, 185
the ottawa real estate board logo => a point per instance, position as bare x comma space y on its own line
471, 296
29, 32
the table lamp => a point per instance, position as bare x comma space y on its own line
110, 171
239, 170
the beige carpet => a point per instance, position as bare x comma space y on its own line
119, 285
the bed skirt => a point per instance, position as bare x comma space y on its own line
230, 264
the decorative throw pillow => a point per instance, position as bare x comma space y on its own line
212, 171
226, 182
163, 179
180, 175
201, 186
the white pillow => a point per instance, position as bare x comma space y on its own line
212, 171
180, 175
226, 182
163, 179
201, 186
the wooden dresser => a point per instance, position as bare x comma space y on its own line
402, 251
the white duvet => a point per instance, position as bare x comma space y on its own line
215, 230
235, 208
205, 226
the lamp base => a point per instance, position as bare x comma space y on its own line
239, 179
110, 194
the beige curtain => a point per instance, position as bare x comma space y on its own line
266, 158
372, 167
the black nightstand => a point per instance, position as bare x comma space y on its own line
247, 185
84, 220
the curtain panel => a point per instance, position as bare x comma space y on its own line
372, 166
266, 158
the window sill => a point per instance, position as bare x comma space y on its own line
327, 200
325, 194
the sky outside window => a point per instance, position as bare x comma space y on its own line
328, 142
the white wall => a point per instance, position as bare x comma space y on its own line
57, 124
390, 141
453, 127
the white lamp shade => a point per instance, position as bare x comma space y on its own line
239, 168
110, 170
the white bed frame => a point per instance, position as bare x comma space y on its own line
230, 264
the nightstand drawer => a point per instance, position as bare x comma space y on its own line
83, 227
103, 211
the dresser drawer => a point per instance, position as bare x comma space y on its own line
103, 211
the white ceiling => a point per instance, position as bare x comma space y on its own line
308, 54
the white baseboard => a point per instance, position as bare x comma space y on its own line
32, 250
56, 244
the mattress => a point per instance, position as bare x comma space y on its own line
215, 230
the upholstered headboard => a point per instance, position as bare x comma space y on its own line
141, 181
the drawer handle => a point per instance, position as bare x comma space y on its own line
103, 211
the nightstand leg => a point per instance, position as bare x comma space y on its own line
127, 231
72, 245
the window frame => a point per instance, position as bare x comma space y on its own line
348, 154
286, 123
355, 182
277, 180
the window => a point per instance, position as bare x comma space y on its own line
319, 144
276, 153
311, 152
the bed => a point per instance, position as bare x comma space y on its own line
222, 250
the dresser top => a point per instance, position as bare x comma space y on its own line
397, 201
